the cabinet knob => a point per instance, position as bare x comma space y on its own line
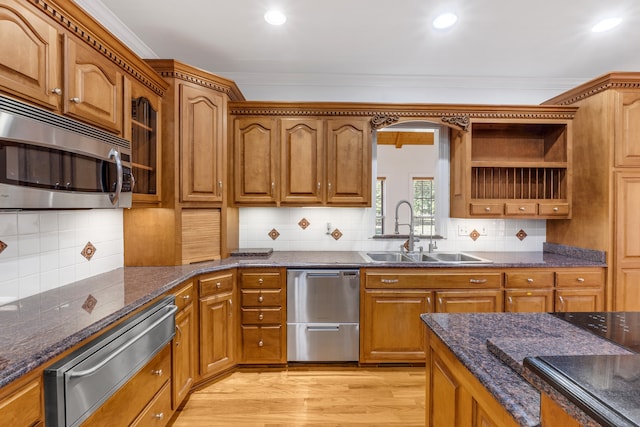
260, 298
487, 209
530, 280
75, 100
261, 280
159, 416
318, 186
556, 209
580, 279
56, 90
186, 297
157, 372
522, 209
260, 316
477, 281
218, 285
260, 343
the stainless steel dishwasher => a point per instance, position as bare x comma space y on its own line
323, 313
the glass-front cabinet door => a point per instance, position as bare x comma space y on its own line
145, 145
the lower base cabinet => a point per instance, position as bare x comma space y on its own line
22, 405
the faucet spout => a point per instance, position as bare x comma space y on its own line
397, 224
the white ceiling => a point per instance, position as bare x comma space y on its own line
504, 51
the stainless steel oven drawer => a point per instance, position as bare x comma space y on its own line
323, 342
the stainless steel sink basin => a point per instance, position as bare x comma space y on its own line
434, 257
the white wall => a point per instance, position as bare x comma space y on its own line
44, 248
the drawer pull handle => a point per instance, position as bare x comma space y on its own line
260, 298
178, 335
260, 343
260, 316
157, 372
510, 301
580, 279
429, 304
186, 297
530, 280
56, 91
561, 303
159, 416
476, 281
389, 280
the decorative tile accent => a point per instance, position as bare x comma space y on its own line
3, 246
304, 223
406, 245
89, 251
89, 304
274, 234
521, 235
474, 235
336, 234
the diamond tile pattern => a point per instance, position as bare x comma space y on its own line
89, 251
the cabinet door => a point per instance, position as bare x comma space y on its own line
627, 128
383, 311
22, 406
202, 137
216, 334
183, 351
94, 87
263, 344
302, 156
29, 55
448, 402
528, 300
568, 300
627, 292
468, 301
348, 162
143, 131
255, 154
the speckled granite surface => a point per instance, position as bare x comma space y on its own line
36, 329
512, 336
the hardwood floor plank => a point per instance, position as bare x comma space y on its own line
310, 397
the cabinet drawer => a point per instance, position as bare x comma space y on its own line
534, 279
184, 296
261, 315
550, 209
521, 208
579, 279
486, 209
262, 344
258, 298
415, 280
210, 285
261, 280
23, 407
158, 412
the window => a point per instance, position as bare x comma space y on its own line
424, 206
380, 203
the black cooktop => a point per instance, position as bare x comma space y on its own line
620, 327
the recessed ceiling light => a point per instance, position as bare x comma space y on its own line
606, 25
445, 20
275, 17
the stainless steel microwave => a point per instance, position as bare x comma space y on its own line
48, 161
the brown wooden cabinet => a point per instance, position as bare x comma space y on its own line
392, 297
580, 290
302, 161
529, 290
263, 322
30, 62
217, 322
21, 403
185, 344
142, 127
513, 168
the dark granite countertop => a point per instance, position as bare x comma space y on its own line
492, 346
36, 329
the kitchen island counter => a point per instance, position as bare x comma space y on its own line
492, 347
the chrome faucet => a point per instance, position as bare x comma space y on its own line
411, 235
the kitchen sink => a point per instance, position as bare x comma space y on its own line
417, 257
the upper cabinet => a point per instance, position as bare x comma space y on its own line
61, 59
512, 168
627, 122
302, 161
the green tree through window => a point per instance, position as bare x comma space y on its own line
424, 206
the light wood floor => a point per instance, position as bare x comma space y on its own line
313, 397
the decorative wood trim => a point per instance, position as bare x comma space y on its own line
448, 113
75, 20
619, 80
380, 120
462, 122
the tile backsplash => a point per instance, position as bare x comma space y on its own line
48, 249
280, 229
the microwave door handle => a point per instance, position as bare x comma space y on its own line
113, 154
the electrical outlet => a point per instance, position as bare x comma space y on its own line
463, 230
482, 230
